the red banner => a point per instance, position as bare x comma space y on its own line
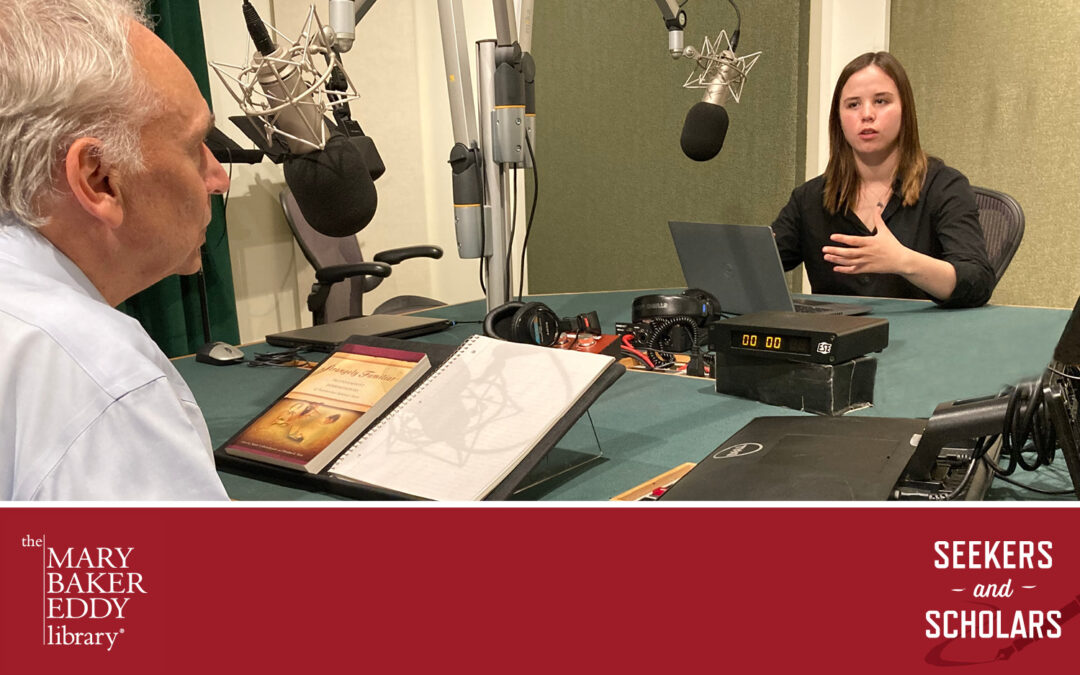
538, 589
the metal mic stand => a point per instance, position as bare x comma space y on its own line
481, 162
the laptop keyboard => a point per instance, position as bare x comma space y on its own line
802, 306
813, 309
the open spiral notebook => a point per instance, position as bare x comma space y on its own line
466, 427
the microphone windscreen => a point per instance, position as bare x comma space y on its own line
333, 188
703, 131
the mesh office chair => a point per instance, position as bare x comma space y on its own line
1002, 222
338, 259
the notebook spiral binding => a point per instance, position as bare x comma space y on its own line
405, 401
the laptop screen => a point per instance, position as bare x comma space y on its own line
739, 264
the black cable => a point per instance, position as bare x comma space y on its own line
529, 221
286, 357
982, 446
1027, 428
257, 30
962, 487
660, 336
1028, 436
483, 226
225, 201
1010, 481
640, 359
738, 27
483, 288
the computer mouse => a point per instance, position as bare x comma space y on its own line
219, 354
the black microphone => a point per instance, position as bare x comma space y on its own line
706, 122
334, 187
703, 131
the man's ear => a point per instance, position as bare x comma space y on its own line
91, 182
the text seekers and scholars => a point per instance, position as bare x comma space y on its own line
1026, 623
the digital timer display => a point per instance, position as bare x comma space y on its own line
765, 342
793, 336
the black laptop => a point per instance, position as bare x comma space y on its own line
328, 336
806, 458
740, 265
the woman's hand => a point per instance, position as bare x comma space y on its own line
880, 253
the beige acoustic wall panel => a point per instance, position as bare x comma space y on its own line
996, 87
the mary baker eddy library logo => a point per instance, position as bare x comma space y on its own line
87, 593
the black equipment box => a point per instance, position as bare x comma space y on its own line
793, 336
813, 387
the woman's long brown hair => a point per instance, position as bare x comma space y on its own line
841, 176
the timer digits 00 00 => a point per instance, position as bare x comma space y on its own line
785, 344
817, 338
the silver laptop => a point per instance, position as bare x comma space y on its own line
740, 265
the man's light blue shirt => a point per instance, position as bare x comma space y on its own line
90, 408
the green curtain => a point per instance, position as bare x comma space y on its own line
170, 310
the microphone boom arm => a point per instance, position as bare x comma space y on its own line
675, 20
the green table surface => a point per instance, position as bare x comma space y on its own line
648, 423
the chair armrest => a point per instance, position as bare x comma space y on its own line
395, 255
328, 276
336, 273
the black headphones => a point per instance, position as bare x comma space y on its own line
657, 316
535, 323
694, 303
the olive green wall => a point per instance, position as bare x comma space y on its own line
610, 108
998, 98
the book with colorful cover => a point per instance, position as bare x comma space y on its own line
330, 408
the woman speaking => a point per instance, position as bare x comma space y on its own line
884, 219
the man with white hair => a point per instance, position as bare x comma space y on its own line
105, 184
